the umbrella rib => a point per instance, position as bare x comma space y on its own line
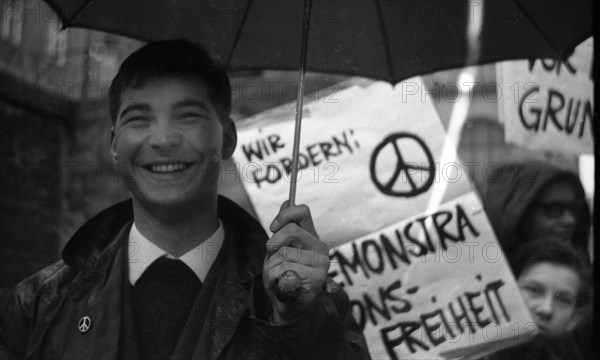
385, 38
67, 22
239, 33
526, 14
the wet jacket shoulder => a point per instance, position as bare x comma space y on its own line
20, 309
39, 317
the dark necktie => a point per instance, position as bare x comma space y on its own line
163, 297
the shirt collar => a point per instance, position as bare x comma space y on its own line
143, 252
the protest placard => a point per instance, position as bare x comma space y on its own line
434, 286
369, 158
547, 104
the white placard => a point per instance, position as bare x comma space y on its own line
434, 286
547, 104
370, 157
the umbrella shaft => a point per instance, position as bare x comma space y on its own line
299, 101
294, 289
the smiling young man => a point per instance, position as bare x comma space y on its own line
179, 272
168, 142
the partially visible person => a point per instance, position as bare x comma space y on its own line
554, 279
535, 200
555, 282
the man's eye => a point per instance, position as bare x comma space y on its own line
135, 119
533, 290
190, 116
564, 300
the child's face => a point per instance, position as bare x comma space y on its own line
550, 292
169, 142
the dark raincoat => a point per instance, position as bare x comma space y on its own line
564, 348
508, 190
39, 318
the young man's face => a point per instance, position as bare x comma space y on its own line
554, 213
168, 142
550, 292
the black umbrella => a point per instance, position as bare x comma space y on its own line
389, 40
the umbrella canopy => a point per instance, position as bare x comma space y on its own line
389, 40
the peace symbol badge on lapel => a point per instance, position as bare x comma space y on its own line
85, 323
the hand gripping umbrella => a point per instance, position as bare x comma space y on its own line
388, 40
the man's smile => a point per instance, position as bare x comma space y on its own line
167, 168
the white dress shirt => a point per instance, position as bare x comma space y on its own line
143, 252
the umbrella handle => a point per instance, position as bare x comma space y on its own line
289, 284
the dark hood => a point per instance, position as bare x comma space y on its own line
509, 190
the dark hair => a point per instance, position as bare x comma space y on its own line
559, 253
172, 59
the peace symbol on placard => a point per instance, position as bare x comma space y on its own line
84, 324
390, 186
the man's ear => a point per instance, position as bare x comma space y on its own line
113, 146
229, 138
